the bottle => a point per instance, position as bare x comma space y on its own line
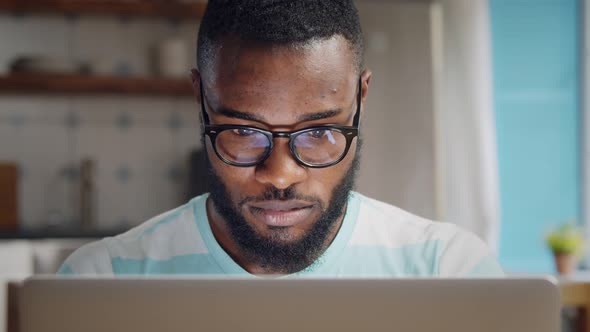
87, 193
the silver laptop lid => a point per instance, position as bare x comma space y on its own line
262, 305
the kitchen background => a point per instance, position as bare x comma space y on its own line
474, 117
138, 144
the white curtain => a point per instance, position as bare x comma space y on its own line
467, 166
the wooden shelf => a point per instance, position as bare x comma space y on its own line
59, 233
85, 84
149, 8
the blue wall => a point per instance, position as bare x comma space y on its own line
536, 93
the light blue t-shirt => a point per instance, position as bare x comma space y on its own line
375, 240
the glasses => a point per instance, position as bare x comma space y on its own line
315, 147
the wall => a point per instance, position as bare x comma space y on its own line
537, 75
398, 127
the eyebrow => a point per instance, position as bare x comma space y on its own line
231, 113
318, 116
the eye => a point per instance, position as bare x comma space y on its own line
243, 132
317, 134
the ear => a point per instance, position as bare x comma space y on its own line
365, 81
196, 81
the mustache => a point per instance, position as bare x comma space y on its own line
275, 194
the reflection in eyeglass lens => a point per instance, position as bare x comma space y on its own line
319, 147
242, 146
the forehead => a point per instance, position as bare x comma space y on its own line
262, 80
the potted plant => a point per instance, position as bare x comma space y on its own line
567, 243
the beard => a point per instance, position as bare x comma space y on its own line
275, 253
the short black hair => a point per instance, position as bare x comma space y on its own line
279, 22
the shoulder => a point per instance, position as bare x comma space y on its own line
170, 234
383, 224
173, 233
92, 258
465, 254
454, 251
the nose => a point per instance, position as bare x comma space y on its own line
280, 169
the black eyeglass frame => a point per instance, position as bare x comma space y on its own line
349, 132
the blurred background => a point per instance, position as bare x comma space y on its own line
475, 116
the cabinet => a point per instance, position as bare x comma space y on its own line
140, 128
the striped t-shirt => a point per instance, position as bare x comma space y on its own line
375, 240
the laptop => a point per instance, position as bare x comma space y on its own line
290, 305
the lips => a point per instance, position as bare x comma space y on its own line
282, 213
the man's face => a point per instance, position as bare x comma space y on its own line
281, 208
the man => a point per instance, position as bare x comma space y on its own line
282, 87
